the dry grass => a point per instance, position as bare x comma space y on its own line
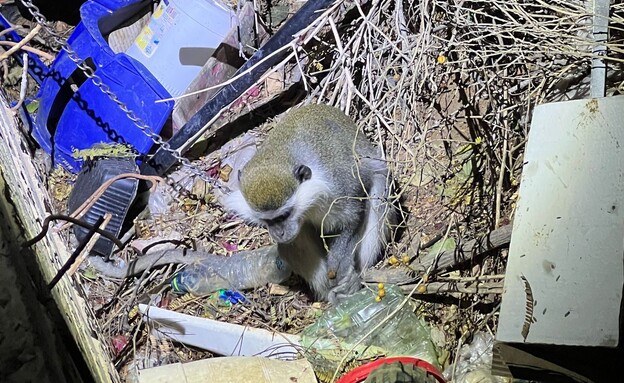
447, 89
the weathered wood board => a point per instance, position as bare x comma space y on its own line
31, 203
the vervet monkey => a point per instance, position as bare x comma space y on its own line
320, 188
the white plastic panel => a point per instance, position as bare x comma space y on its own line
568, 235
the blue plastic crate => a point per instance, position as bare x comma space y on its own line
74, 113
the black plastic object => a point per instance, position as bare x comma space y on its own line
163, 160
115, 200
63, 10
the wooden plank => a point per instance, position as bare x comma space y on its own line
32, 203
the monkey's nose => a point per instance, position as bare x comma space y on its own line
279, 231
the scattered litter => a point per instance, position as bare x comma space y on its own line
176, 43
466, 105
220, 337
112, 200
76, 113
243, 270
361, 329
119, 342
474, 362
235, 154
394, 370
231, 297
231, 369
275, 289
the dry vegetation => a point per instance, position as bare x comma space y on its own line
447, 88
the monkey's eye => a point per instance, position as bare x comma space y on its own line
302, 173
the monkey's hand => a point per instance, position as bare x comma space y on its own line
349, 283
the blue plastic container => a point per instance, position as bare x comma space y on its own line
75, 114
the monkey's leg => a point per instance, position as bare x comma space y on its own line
359, 247
342, 250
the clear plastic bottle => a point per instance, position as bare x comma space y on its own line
340, 329
243, 270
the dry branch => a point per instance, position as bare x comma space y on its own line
448, 260
451, 259
457, 287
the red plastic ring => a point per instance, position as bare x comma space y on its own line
360, 373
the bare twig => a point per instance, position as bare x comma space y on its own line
23, 42
38, 52
24, 84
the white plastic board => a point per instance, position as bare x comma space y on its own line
568, 234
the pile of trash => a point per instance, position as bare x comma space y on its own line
142, 114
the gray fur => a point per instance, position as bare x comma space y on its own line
345, 198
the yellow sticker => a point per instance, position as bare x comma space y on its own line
159, 11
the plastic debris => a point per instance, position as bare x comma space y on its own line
220, 337
474, 362
176, 43
344, 328
395, 370
231, 369
231, 297
75, 114
243, 270
112, 200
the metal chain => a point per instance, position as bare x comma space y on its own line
97, 81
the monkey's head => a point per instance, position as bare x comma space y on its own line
276, 195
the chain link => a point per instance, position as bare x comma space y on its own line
59, 41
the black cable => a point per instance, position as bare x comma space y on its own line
76, 253
54, 217
163, 160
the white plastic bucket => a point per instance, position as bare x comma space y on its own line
179, 38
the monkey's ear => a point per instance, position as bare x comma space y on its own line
302, 173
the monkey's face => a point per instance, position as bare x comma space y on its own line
283, 226
276, 199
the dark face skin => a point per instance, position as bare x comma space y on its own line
282, 226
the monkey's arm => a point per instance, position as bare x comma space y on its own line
341, 265
341, 250
363, 240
